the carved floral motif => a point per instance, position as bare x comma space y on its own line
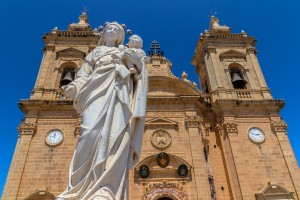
192, 121
164, 188
26, 128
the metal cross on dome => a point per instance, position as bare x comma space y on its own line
155, 49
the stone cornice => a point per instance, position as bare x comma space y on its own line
234, 103
26, 105
86, 37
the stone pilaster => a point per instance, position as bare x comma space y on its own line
279, 128
198, 159
26, 132
230, 137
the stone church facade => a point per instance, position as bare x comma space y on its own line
225, 141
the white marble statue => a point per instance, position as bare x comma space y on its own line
112, 102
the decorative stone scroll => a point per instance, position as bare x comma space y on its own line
164, 189
26, 128
230, 127
161, 139
279, 126
192, 121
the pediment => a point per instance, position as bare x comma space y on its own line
161, 123
70, 52
274, 191
233, 54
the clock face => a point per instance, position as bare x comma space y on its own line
54, 137
256, 135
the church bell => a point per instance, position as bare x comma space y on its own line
237, 81
67, 79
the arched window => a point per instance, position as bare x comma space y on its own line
237, 78
68, 73
165, 198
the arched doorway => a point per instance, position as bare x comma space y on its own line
165, 198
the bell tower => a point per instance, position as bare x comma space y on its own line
227, 64
248, 128
48, 133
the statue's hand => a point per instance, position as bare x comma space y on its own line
69, 91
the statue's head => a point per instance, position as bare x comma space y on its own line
135, 41
112, 32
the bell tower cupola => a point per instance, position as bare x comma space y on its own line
227, 65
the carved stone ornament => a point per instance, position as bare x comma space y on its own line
161, 139
231, 127
251, 50
279, 126
26, 128
164, 189
219, 129
192, 121
211, 49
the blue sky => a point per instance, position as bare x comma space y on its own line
175, 24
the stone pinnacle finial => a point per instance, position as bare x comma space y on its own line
82, 25
184, 76
215, 27
155, 49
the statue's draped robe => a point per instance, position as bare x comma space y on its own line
113, 105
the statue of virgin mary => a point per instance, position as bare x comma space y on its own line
112, 102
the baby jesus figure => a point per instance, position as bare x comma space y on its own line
130, 54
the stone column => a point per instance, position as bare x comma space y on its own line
198, 160
26, 132
279, 128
